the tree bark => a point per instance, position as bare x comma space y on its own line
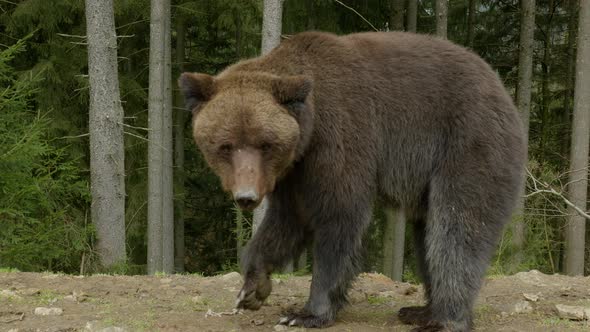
107, 151
412, 15
523, 102
394, 244
271, 24
168, 152
396, 18
271, 37
179, 154
441, 18
156, 102
578, 179
471, 23
570, 76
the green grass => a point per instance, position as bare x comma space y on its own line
377, 300
48, 296
8, 270
556, 321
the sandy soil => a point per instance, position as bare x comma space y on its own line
193, 303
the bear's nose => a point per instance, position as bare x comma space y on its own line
246, 199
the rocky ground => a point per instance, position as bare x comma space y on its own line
529, 301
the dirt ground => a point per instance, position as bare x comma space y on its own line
523, 302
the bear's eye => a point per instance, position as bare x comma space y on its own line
265, 147
225, 148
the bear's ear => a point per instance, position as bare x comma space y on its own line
196, 88
291, 89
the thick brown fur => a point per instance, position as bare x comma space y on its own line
337, 120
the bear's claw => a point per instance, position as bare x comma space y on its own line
306, 320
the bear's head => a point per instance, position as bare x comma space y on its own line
250, 127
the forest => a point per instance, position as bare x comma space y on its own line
157, 207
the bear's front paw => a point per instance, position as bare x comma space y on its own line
255, 290
306, 319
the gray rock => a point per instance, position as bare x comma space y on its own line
43, 311
522, 307
96, 326
232, 277
279, 327
571, 312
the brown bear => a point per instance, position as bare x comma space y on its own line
323, 124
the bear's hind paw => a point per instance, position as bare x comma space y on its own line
306, 320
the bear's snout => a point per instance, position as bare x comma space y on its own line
246, 199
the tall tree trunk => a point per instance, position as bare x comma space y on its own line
179, 153
271, 24
471, 23
523, 102
442, 8
570, 76
412, 15
395, 223
156, 101
394, 243
396, 17
545, 88
578, 179
107, 151
271, 37
168, 154
311, 14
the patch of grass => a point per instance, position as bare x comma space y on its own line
198, 303
281, 276
160, 274
48, 296
556, 321
145, 323
483, 311
377, 300
8, 270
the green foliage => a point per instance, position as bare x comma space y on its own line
41, 190
44, 158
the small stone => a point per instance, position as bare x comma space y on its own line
257, 322
43, 311
232, 277
165, 280
6, 293
112, 329
279, 327
504, 314
531, 297
570, 312
97, 326
522, 307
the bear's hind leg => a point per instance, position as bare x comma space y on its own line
465, 219
418, 315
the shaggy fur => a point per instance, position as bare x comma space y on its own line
337, 120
